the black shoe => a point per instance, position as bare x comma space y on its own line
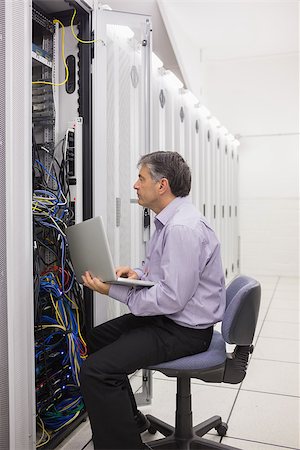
142, 422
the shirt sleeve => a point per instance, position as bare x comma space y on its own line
183, 258
139, 272
119, 292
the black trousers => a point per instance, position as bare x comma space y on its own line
117, 348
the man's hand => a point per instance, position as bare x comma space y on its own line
126, 272
95, 284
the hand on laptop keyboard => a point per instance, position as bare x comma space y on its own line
126, 272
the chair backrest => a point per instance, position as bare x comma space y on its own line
242, 308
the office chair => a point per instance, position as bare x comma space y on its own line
215, 366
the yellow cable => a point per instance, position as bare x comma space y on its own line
70, 405
63, 57
77, 316
44, 212
71, 301
57, 313
71, 345
44, 199
69, 421
72, 348
65, 316
44, 432
35, 208
80, 40
79, 332
51, 326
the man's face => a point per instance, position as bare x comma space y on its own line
147, 190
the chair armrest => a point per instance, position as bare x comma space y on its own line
237, 363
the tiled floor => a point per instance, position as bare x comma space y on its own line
263, 411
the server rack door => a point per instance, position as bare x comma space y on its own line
157, 117
202, 118
226, 205
222, 196
121, 134
208, 172
4, 397
169, 94
161, 115
188, 108
230, 218
195, 158
223, 164
213, 181
218, 209
16, 143
179, 124
234, 212
236, 208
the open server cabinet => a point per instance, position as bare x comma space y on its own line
75, 117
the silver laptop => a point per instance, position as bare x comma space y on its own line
90, 252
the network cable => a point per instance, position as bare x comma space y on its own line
60, 346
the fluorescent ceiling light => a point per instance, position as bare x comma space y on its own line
215, 122
190, 96
173, 80
156, 62
204, 111
224, 131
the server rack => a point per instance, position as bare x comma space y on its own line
121, 71
57, 126
183, 124
195, 156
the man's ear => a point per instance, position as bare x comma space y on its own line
164, 186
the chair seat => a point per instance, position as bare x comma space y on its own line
213, 357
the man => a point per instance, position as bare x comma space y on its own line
174, 318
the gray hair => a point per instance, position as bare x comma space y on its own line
170, 165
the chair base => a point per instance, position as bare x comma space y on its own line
192, 440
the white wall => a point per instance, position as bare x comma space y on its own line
263, 98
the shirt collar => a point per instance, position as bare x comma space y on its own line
168, 212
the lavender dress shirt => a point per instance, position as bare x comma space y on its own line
183, 258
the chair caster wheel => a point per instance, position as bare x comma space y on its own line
152, 430
222, 429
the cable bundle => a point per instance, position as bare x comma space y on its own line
59, 309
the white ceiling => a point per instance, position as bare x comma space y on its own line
235, 28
